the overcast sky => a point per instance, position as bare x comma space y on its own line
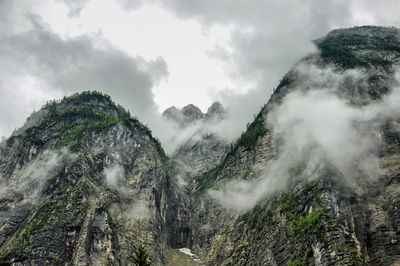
149, 55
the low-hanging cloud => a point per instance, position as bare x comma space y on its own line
225, 127
30, 180
114, 175
175, 136
316, 127
140, 210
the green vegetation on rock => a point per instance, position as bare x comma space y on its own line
90, 111
341, 49
141, 258
308, 223
247, 140
301, 258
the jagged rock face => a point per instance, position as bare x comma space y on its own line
215, 110
203, 150
174, 114
86, 185
317, 218
374, 50
199, 156
191, 113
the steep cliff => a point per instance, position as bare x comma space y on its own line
84, 183
294, 191
199, 149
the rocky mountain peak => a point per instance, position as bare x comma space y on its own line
173, 114
369, 31
203, 149
368, 47
191, 113
215, 110
192, 110
362, 62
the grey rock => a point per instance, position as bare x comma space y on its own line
204, 150
216, 110
191, 113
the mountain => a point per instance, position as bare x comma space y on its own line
191, 113
314, 180
202, 149
325, 197
84, 183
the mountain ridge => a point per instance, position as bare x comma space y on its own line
191, 113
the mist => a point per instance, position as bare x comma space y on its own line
316, 127
225, 127
29, 181
172, 135
114, 175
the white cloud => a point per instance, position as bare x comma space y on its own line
314, 127
30, 179
114, 175
140, 210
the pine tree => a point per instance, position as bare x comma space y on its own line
141, 257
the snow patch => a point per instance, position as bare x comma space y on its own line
189, 252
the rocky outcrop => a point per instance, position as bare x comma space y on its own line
203, 149
191, 113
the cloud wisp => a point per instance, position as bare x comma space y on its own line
31, 179
315, 127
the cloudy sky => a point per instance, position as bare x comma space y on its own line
149, 55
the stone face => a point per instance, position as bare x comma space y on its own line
174, 114
216, 110
346, 224
191, 113
199, 156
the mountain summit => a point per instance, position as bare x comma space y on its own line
84, 184
191, 113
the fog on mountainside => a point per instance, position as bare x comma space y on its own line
315, 125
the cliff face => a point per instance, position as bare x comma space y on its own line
85, 184
202, 149
314, 207
313, 181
